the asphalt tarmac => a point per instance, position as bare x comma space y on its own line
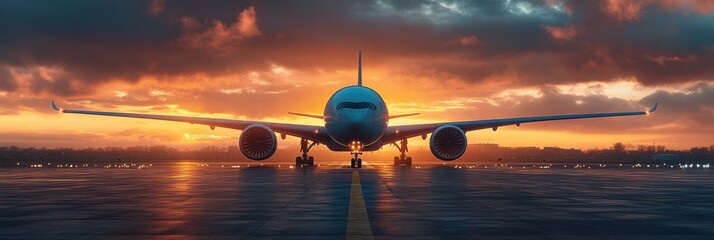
190, 200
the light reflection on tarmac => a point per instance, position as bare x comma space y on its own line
221, 200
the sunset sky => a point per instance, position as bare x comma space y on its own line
448, 60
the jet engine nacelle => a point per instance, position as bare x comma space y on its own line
258, 142
448, 142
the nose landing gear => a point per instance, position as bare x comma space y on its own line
356, 162
356, 147
402, 158
305, 147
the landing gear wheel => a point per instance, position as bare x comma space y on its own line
402, 158
301, 161
359, 163
353, 163
305, 147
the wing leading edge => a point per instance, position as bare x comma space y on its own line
314, 133
400, 132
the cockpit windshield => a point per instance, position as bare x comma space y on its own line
356, 105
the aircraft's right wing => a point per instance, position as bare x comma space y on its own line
396, 133
314, 133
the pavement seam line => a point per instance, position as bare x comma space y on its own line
358, 226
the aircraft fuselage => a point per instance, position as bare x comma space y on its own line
356, 114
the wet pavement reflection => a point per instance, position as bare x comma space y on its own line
196, 200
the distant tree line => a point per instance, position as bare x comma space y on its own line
115, 154
619, 152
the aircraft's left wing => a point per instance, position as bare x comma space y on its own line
396, 133
314, 133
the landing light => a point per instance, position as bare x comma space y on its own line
356, 146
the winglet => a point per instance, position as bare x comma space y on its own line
652, 109
54, 106
359, 69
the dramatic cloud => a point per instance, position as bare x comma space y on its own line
561, 33
623, 9
218, 35
449, 59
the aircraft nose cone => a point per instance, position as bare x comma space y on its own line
357, 125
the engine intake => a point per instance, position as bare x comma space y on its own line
258, 142
448, 142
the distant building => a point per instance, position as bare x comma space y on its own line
665, 157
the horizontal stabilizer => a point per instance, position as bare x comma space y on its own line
402, 115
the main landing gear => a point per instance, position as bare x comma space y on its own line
305, 147
402, 158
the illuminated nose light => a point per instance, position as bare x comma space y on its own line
356, 146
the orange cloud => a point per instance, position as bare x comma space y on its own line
561, 33
626, 10
697, 6
157, 6
246, 24
219, 35
623, 10
468, 40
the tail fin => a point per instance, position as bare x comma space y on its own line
359, 69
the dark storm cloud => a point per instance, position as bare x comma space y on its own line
688, 112
97, 41
695, 103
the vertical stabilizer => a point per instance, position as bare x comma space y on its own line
359, 69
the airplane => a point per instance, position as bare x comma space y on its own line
356, 120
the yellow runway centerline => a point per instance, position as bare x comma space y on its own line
357, 220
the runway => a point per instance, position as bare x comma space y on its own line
192, 200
